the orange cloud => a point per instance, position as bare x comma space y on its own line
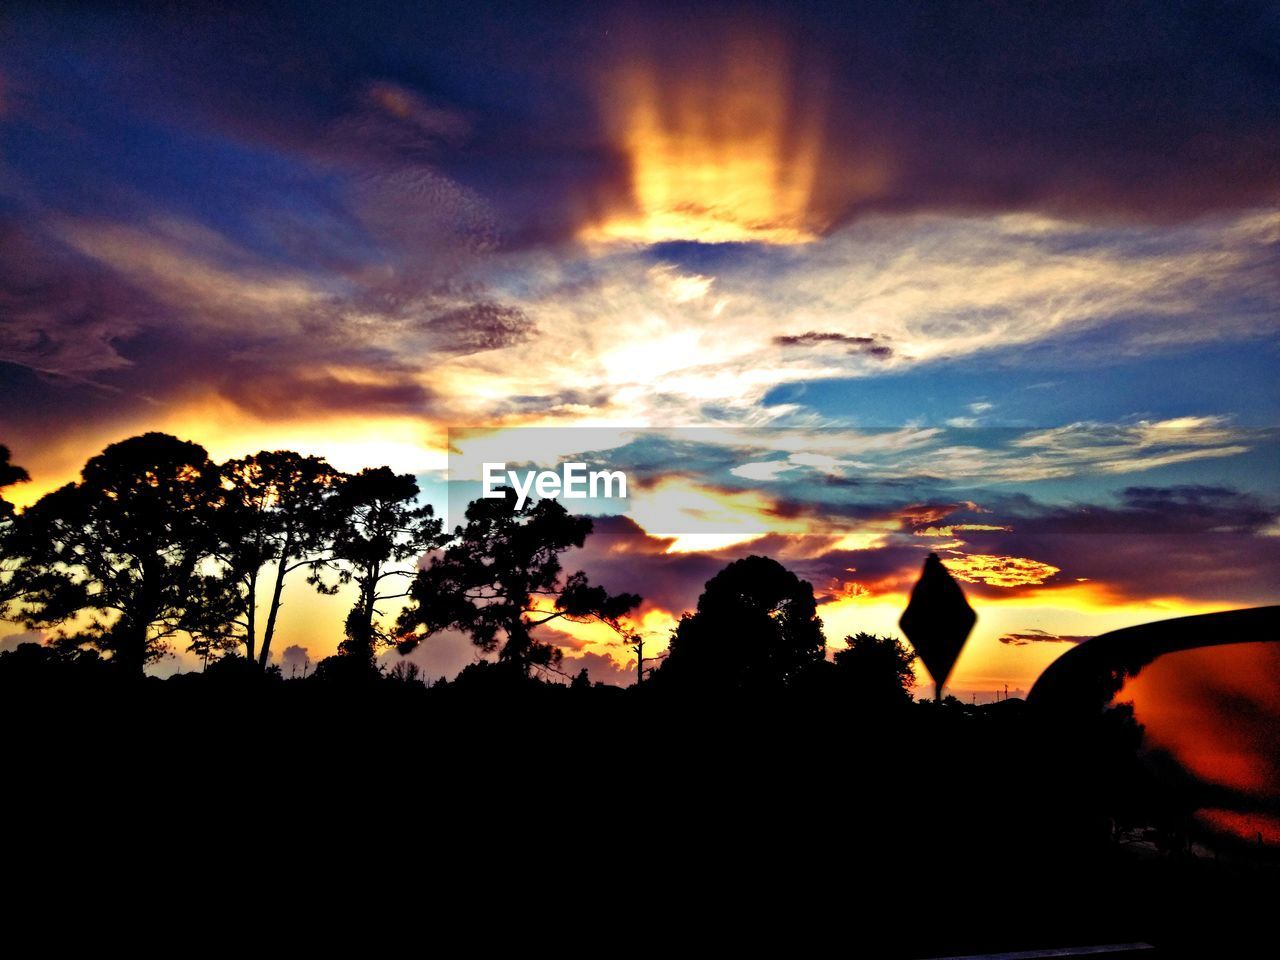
999, 571
716, 155
584, 640
726, 141
953, 529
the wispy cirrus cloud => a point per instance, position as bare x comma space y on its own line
961, 455
883, 297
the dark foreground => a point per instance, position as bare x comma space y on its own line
797, 825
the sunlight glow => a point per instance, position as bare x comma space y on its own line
404, 443
721, 154
705, 519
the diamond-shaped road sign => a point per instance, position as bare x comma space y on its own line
937, 621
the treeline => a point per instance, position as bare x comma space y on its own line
156, 544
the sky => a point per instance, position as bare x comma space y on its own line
840, 284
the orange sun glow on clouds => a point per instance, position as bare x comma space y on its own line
724, 149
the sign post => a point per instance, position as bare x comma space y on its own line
937, 621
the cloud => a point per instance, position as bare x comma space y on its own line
1011, 456
952, 529
931, 289
60, 313
424, 316
295, 661
318, 231
1194, 509
396, 119
766, 470
12, 641
601, 668
1031, 635
480, 326
1117, 547
834, 466
1126, 448
442, 654
999, 571
679, 287
761, 121
869, 346
816, 122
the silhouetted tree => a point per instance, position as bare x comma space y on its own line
212, 647
756, 628
275, 512
875, 671
213, 619
407, 672
499, 579
10, 473
124, 545
377, 525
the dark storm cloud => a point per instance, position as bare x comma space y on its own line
892, 567
165, 310
1207, 543
1229, 569
1147, 108
1131, 550
235, 241
60, 312
1182, 509
1150, 108
284, 393
622, 558
194, 200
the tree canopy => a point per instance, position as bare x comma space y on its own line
756, 628
875, 671
10, 473
276, 511
377, 524
156, 541
500, 577
124, 546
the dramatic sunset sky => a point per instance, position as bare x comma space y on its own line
999, 280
